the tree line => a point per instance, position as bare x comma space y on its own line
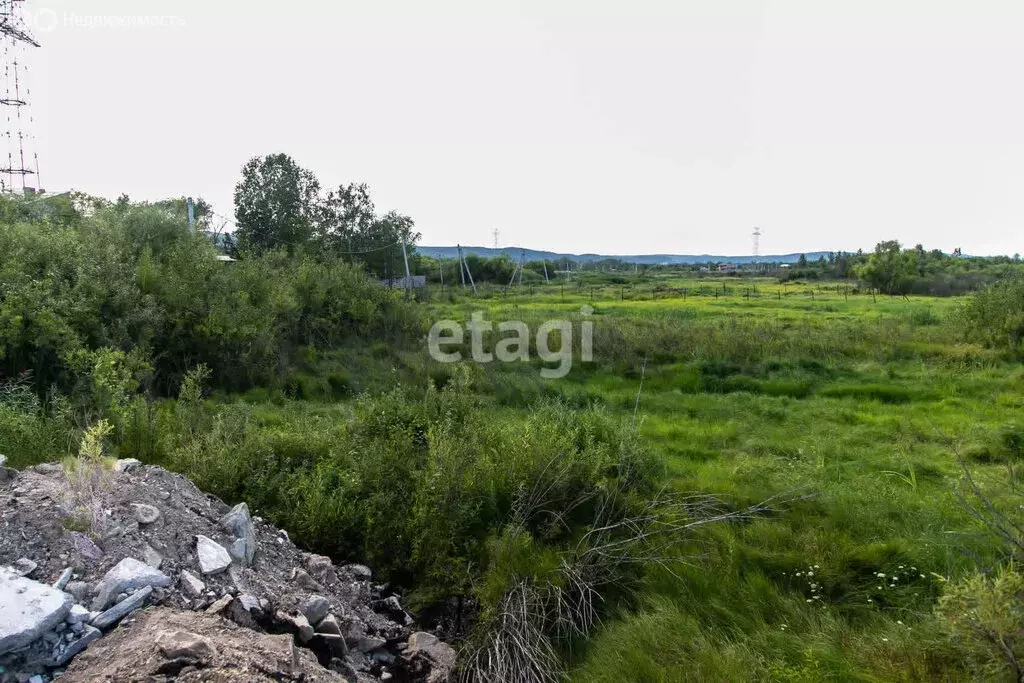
280, 205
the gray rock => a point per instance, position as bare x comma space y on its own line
335, 642
184, 645
126, 575
213, 559
191, 585
315, 608
122, 609
440, 655
48, 468
359, 571
7, 474
239, 523
36, 679
65, 576
395, 611
24, 566
80, 590
3, 460
299, 624
220, 605
152, 557
28, 609
126, 464
329, 624
244, 610
237, 552
145, 514
304, 580
78, 614
85, 547
89, 635
367, 643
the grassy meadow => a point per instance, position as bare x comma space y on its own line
605, 526
860, 402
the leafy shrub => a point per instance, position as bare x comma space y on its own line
996, 315
987, 613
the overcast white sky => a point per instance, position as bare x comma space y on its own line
572, 125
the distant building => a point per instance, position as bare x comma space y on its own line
414, 282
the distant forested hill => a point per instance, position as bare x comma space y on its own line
643, 259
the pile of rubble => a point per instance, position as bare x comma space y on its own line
138, 575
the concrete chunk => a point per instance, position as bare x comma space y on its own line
239, 523
126, 575
191, 586
213, 558
122, 609
90, 634
28, 609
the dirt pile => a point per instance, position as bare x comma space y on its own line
134, 536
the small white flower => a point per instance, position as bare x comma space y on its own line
880, 575
885, 640
870, 600
799, 573
879, 588
810, 573
808, 599
899, 622
817, 567
922, 576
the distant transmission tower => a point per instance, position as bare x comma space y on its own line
496, 234
757, 244
19, 172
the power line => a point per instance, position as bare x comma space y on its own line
293, 244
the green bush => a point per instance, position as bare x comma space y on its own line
996, 315
986, 612
132, 279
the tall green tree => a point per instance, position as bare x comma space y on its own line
889, 269
276, 204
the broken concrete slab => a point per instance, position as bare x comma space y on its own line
28, 609
213, 558
123, 608
126, 575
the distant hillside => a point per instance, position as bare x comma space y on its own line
643, 259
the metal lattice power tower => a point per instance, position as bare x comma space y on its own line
19, 171
757, 244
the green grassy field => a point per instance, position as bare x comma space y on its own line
861, 403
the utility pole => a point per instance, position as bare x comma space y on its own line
462, 271
408, 277
546, 278
440, 270
522, 257
467, 271
757, 247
